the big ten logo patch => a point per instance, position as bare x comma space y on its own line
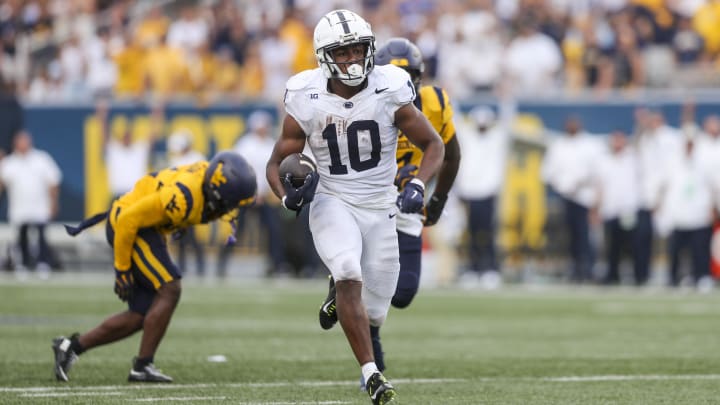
220, 130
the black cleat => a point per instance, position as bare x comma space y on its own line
328, 314
148, 374
64, 357
380, 390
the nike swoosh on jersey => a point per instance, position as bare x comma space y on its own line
378, 91
392, 215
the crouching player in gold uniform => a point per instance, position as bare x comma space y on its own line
137, 227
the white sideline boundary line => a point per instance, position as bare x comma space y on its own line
561, 379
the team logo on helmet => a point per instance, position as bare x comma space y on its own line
229, 184
218, 178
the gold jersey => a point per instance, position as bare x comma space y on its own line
167, 200
435, 105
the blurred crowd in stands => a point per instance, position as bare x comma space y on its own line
656, 194
213, 50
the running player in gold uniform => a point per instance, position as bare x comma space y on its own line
435, 105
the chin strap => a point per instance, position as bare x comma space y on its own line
232, 238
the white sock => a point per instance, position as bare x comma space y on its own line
368, 369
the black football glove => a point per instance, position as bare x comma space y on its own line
124, 282
296, 198
434, 209
405, 174
411, 198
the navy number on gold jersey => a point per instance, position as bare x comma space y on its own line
331, 136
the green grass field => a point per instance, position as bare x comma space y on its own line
557, 345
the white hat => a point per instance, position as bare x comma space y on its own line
178, 141
482, 115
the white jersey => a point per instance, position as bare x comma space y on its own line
353, 140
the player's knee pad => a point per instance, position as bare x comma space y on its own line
376, 318
376, 306
345, 268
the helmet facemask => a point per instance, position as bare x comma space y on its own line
355, 70
416, 77
215, 207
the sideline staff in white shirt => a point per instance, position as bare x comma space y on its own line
569, 168
31, 178
657, 144
127, 159
256, 146
618, 204
479, 183
689, 205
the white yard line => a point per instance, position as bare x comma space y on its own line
179, 399
70, 394
295, 403
160, 399
63, 388
594, 378
113, 389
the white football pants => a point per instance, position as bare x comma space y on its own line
358, 243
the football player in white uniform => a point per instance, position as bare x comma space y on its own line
349, 113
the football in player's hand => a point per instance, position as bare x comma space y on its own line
298, 166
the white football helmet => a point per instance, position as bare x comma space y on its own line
341, 28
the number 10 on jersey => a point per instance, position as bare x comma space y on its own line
331, 136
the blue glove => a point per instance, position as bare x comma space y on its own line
411, 197
404, 175
296, 198
124, 282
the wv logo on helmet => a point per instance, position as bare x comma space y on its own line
218, 177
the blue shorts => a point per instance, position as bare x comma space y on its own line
151, 265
